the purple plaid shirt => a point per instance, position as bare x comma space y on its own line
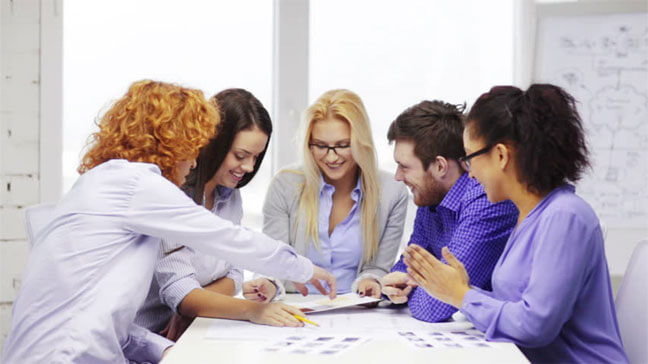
474, 230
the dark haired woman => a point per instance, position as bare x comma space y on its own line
551, 288
193, 284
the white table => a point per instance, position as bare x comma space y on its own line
195, 347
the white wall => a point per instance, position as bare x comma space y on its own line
19, 138
30, 130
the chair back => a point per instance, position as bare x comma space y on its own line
632, 305
36, 217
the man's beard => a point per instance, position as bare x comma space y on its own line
431, 194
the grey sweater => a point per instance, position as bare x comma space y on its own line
280, 221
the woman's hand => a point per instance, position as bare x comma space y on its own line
260, 290
319, 274
447, 282
276, 314
176, 327
369, 287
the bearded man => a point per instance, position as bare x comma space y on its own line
453, 209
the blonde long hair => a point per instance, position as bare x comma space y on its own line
347, 106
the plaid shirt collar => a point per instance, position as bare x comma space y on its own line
452, 200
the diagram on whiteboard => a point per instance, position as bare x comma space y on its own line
603, 62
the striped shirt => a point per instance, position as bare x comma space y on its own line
179, 273
472, 228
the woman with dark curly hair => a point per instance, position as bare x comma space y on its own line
551, 292
92, 263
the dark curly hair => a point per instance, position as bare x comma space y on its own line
435, 127
544, 128
239, 110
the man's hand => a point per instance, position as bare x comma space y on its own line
319, 274
397, 286
261, 290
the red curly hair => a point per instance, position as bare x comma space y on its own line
154, 122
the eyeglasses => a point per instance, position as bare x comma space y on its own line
465, 161
321, 150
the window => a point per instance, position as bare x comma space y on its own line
392, 54
201, 44
396, 54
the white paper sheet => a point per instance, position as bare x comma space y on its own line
425, 340
365, 323
324, 345
319, 304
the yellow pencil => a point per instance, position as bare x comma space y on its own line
304, 319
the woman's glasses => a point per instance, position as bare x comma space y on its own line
320, 150
465, 161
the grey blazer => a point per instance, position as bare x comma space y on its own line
280, 220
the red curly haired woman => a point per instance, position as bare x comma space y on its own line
92, 262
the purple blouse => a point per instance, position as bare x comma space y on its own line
551, 287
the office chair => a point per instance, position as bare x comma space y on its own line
36, 217
632, 305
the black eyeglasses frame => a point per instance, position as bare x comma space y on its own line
334, 148
465, 160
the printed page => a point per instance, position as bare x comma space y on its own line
364, 323
320, 304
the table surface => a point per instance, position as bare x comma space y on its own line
195, 347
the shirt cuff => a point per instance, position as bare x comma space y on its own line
144, 346
237, 277
281, 289
307, 272
478, 306
157, 345
177, 291
470, 298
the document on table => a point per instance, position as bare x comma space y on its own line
369, 323
423, 340
323, 345
319, 304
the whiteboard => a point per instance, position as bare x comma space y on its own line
601, 58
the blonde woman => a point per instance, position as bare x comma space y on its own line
337, 208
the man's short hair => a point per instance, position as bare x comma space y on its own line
435, 127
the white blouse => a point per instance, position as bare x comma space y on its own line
92, 264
